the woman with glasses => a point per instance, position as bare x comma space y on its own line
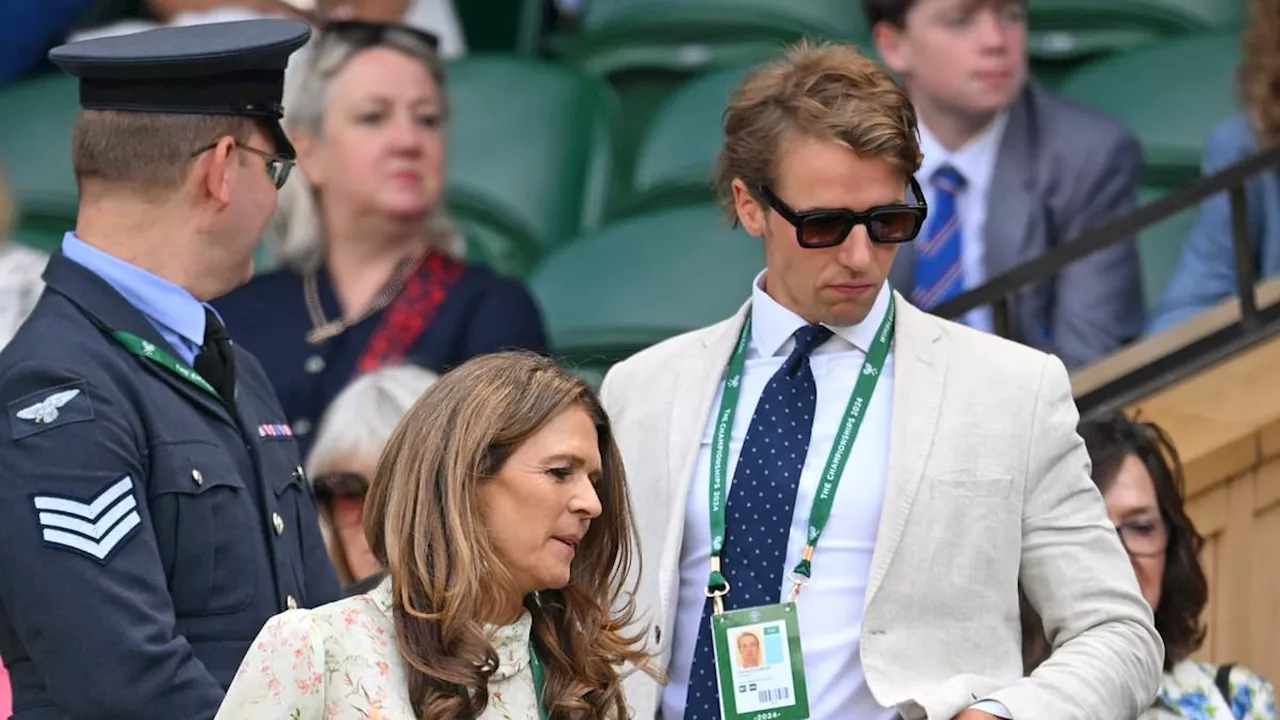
352, 435
371, 275
500, 511
1138, 472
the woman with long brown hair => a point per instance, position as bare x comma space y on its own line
499, 510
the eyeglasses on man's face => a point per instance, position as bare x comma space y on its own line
885, 224
278, 166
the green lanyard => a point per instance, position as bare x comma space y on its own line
717, 584
539, 680
161, 357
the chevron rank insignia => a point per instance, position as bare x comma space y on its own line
49, 408
96, 528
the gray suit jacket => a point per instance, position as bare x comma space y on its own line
1062, 169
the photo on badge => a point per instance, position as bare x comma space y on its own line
759, 664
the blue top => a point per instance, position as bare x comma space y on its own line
482, 313
1206, 273
174, 312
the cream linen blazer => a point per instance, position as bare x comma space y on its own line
988, 487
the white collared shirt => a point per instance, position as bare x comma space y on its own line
831, 605
976, 161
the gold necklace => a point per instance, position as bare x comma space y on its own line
323, 329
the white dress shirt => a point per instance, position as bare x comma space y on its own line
976, 161
830, 607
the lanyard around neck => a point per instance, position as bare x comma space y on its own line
539, 680
859, 400
152, 352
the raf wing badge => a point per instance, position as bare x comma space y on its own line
49, 408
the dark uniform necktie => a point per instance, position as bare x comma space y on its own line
761, 502
216, 362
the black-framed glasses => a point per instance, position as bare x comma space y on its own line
885, 224
363, 33
339, 485
278, 166
1144, 538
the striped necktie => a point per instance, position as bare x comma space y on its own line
939, 269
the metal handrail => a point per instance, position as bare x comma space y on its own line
1254, 325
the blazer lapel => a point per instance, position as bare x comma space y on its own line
696, 386
919, 373
1012, 199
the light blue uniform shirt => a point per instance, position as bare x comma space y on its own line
174, 312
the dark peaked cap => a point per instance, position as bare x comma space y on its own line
229, 68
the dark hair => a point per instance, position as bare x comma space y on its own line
895, 12
1184, 591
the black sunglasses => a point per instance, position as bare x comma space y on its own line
886, 224
339, 485
362, 34
278, 166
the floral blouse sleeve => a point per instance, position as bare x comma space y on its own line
282, 675
1252, 698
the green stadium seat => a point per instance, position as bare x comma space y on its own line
530, 150
642, 280
648, 48
1169, 93
678, 151
1066, 32
502, 25
36, 117
1160, 247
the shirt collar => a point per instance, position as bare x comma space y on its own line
162, 301
975, 160
773, 325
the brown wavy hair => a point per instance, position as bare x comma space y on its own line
826, 90
424, 524
1260, 72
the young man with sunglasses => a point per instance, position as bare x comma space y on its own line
1012, 171
153, 511
864, 485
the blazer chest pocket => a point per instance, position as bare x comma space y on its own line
205, 529
974, 483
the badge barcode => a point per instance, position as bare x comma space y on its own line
775, 695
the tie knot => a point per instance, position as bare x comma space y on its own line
948, 179
808, 338
214, 330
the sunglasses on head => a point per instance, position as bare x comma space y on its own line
886, 224
339, 485
362, 34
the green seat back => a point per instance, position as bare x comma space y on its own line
1069, 30
648, 48
677, 153
1170, 93
530, 148
36, 117
502, 25
1160, 247
642, 280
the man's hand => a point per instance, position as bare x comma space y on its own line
971, 714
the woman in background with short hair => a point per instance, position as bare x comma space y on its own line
352, 435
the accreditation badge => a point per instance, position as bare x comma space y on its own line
759, 666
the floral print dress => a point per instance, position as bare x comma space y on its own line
1188, 692
340, 662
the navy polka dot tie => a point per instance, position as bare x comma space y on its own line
761, 503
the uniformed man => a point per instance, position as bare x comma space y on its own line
153, 514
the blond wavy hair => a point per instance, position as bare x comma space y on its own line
828, 91
1260, 72
424, 524
296, 234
